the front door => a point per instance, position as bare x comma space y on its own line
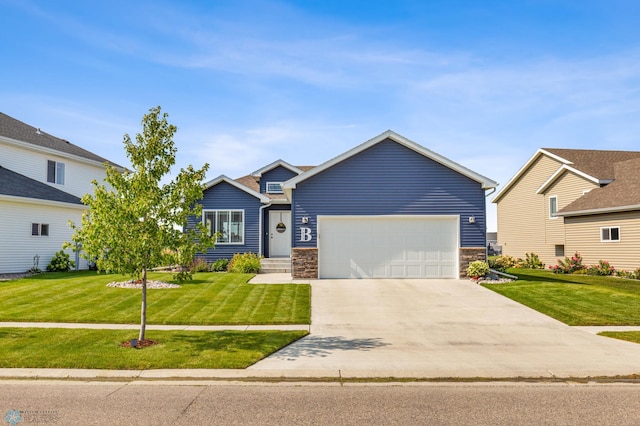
279, 233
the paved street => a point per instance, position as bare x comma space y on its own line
289, 404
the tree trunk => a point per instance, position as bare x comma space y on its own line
143, 309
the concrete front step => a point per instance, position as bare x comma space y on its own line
275, 265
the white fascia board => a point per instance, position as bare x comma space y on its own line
222, 178
600, 211
562, 169
524, 168
258, 173
40, 202
389, 134
36, 148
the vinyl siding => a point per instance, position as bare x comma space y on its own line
568, 187
522, 213
390, 179
227, 197
18, 247
279, 174
33, 164
583, 236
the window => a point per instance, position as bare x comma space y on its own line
40, 229
610, 234
553, 207
274, 188
559, 250
228, 223
55, 172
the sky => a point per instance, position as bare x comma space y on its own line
483, 83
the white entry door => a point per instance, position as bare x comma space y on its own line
279, 233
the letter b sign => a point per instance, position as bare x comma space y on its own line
305, 234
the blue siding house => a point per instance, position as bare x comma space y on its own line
388, 208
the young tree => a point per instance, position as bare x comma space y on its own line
135, 220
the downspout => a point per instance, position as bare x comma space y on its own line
260, 226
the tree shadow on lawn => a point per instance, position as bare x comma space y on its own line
319, 346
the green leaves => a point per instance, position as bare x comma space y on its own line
134, 218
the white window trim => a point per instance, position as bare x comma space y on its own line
271, 191
58, 172
602, 240
39, 234
215, 222
555, 197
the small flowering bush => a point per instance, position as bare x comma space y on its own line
502, 262
632, 275
532, 261
569, 265
603, 268
477, 269
245, 263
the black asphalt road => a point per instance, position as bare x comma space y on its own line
66, 403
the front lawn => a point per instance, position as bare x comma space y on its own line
575, 299
211, 298
101, 349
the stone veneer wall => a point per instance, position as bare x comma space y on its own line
468, 255
304, 263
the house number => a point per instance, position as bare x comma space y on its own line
305, 234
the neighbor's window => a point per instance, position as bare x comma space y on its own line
611, 233
553, 207
274, 188
40, 229
228, 223
55, 172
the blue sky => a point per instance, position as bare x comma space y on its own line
484, 83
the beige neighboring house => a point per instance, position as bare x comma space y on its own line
564, 201
42, 179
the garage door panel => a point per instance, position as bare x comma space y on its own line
388, 246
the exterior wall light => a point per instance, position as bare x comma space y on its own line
305, 219
472, 219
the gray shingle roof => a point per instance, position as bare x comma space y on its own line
17, 185
15, 129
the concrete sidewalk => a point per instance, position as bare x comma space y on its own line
426, 329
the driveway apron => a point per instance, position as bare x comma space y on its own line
442, 328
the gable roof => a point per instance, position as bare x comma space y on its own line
14, 184
222, 178
623, 194
278, 163
592, 164
487, 183
17, 132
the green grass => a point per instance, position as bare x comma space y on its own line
575, 299
211, 298
101, 349
630, 336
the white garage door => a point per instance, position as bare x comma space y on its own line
388, 246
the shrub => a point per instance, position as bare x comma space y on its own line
532, 261
477, 269
246, 263
602, 268
220, 265
60, 262
199, 264
502, 262
569, 265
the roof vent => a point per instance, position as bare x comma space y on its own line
38, 131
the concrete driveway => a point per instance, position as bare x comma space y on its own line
442, 328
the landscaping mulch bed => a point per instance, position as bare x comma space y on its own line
140, 343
